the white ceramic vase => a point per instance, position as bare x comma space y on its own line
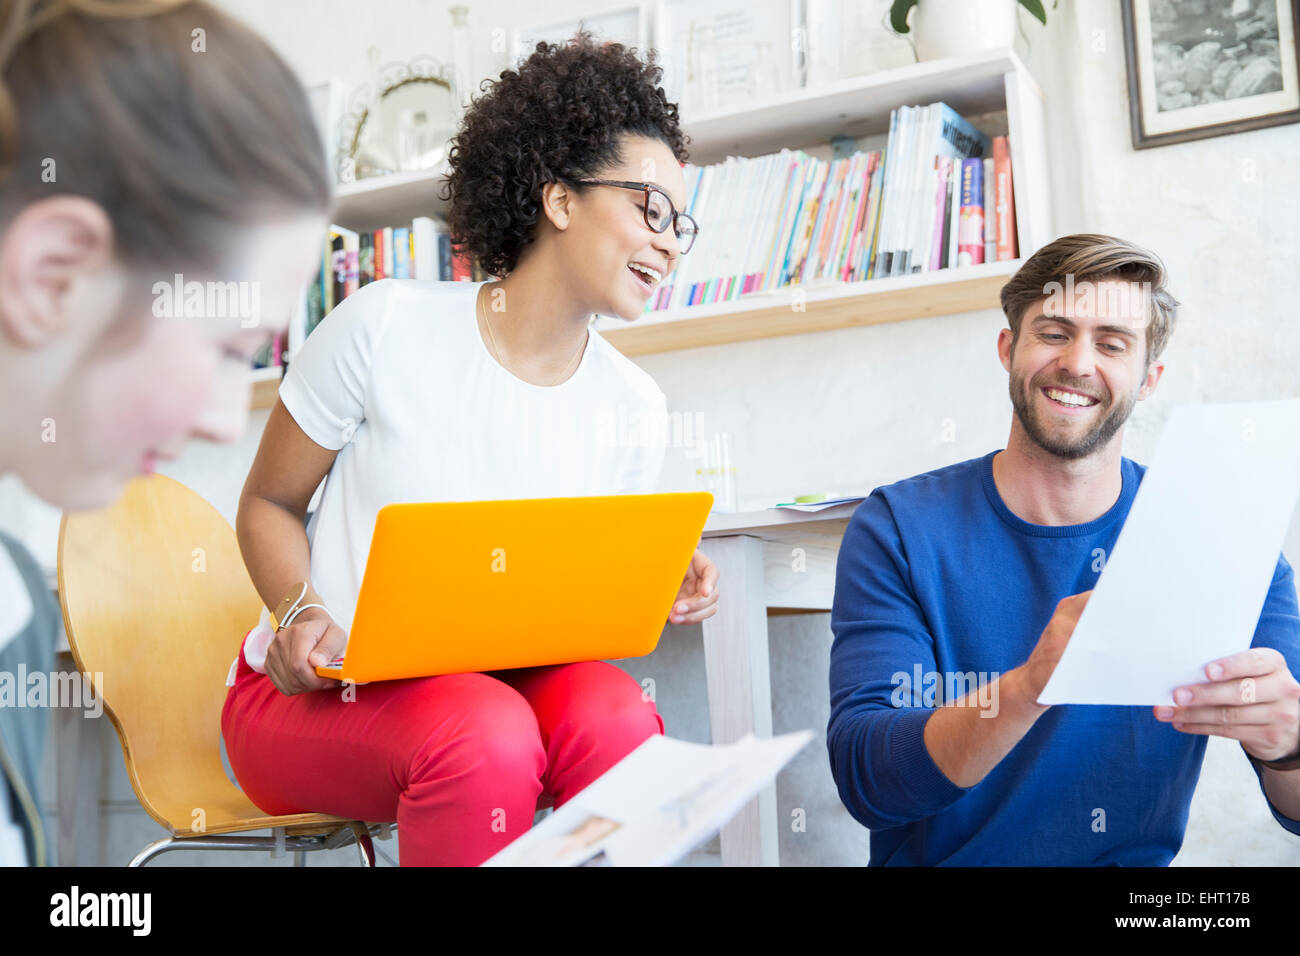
945, 28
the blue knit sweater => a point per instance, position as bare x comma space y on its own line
939, 589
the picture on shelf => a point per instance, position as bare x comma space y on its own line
1198, 69
718, 53
844, 38
629, 25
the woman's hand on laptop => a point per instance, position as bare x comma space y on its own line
312, 640
698, 597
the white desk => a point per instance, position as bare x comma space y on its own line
772, 560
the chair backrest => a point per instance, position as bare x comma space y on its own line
156, 599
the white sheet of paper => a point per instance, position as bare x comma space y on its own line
1188, 575
660, 801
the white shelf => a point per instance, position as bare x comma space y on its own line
266, 386
826, 306
857, 106
370, 204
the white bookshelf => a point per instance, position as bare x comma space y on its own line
370, 204
821, 308
974, 85
978, 85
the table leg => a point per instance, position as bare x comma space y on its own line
740, 691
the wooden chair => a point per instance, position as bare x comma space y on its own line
155, 600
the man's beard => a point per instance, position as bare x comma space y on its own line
1093, 440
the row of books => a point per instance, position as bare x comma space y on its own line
272, 354
421, 250
938, 196
953, 205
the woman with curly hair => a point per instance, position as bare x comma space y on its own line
566, 183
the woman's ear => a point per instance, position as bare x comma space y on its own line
47, 247
557, 200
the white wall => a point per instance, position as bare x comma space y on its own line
851, 409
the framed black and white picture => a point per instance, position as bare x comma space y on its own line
1201, 68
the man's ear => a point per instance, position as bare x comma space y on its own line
46, 248
1154, 371
1004, 349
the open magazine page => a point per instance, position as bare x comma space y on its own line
655, 805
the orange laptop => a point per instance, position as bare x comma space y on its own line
456, 587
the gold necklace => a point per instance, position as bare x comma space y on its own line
496, 353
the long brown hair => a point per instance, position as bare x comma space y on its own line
179, 121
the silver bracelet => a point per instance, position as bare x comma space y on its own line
301, 594
298, 610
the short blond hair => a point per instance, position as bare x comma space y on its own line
1091, 257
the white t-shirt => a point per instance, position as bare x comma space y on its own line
399, 379
15, 614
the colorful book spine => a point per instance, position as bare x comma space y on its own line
315, 303
389, 257
954, 218
339, 267
860, 248
327, 279
352, 253
377, 237
867, 269
852, 219
808, 206
942, 169
970, 239
444, 256
990, 215
1006, 203
402, 252
366, 259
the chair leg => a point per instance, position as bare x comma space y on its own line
365, 846
154, 849
276, 845
259, 844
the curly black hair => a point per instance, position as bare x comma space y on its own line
557, 117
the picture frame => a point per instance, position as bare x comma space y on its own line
719, 54
1202, 69
631, 25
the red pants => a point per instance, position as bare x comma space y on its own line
459, 761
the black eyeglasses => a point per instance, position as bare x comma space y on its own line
659, 211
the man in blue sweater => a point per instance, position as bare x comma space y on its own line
957, 590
